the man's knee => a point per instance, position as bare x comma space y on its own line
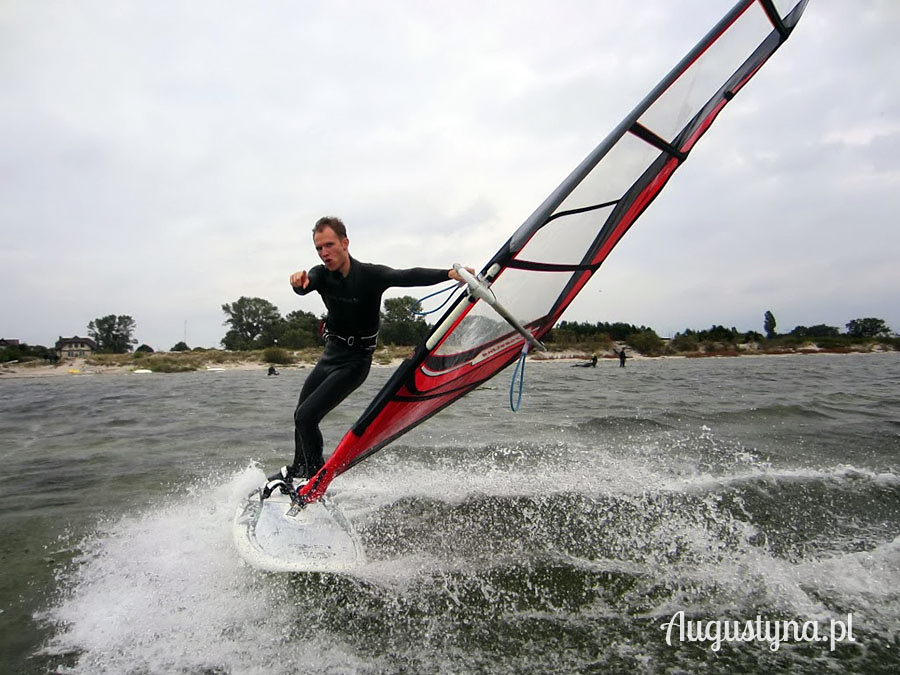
299, 416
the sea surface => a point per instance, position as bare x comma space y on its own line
657, 518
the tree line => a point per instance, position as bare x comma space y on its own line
255, 323
717, 338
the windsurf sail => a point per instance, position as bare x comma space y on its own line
545, 263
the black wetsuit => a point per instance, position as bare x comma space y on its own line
351, 329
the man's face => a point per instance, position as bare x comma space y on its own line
333, 250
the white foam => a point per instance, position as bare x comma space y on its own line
165, 591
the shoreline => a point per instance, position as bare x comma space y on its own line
80, 368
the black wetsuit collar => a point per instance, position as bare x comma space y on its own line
336, 274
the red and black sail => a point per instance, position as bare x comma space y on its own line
552, 255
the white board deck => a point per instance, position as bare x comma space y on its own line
318, 539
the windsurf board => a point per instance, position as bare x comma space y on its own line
270, 536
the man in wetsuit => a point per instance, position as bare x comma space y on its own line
351, 291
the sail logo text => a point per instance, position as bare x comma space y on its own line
771, 632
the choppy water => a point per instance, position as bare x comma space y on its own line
558, 539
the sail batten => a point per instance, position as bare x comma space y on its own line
553, 254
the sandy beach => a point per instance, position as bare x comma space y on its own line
81, 368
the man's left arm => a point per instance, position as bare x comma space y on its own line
418, 276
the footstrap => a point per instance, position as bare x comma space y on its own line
272, 485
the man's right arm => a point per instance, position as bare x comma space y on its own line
304, 282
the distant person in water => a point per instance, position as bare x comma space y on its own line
272, 370
590, 364
351, 291
622, 357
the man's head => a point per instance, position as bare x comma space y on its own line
332, 244
335, 224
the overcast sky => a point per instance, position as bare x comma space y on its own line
159, 158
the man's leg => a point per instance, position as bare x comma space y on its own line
321, 393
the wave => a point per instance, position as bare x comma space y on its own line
458, 579
622, 425
792, 515
771, 414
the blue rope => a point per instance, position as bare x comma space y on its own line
519, 372
446, 289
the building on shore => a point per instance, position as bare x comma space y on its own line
75, 347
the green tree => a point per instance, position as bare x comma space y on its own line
23, 352
720, 334
180, 347
254, 324
568, 332
688, 341
822, 330
868, 328
619, 330
645, 341
399, 324
817, 331
112, 333
299, 330
769, 324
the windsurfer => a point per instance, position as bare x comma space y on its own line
351, 291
